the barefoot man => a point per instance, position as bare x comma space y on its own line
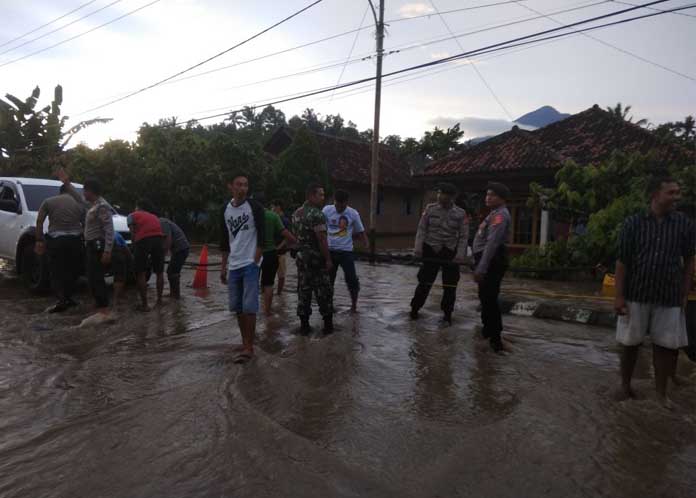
653, 276
241, 247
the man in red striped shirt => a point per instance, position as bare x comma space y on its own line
148, 240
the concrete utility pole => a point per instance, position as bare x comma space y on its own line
374, 171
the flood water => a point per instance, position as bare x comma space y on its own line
153, 405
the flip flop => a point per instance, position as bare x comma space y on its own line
242, 358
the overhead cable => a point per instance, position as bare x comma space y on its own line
17, 38
60, 28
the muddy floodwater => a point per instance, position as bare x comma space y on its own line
153, 406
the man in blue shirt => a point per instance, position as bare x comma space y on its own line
344, 225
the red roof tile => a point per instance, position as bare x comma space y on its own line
513, 150
593, 135
588, 137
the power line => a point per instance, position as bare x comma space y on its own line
402, 47
473, 65
329, 38
47, 24
508, 24
397, 49
619, 49
205, 61
352, 47
79, 35
60, 28
515, 42
501, 46
452, 11
656, 10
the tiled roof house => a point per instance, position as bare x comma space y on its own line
519, 157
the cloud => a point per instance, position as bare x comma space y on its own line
476, 127
415, 9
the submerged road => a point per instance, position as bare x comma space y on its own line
152, 405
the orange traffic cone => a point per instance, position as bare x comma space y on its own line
200, 281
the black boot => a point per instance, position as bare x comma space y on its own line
328, 324
448, 317
175, 286
497, 345
413, 314
305, 329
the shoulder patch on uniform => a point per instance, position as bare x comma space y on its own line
497, 219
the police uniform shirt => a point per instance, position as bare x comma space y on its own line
492, 234
443, 227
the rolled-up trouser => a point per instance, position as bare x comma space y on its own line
488, 291
433, 262
64, 260
95, 273
346, 260
312, 277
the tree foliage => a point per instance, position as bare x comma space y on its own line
601, 197
624, 113
30, 137
299, 165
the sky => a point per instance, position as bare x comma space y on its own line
483, 94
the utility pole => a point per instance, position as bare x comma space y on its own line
374, 170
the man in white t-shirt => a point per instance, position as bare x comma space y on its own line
242, 246
344, 225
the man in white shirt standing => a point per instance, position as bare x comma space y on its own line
344, 225
242, 246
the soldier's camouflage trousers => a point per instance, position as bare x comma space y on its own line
312, 277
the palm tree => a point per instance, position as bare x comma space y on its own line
688, 127
622, 113
236, 120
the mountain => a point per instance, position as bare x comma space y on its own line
541, 117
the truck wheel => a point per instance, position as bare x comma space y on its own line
35, 271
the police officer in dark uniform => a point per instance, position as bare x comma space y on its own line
443, 234
491, 261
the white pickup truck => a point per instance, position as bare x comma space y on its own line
20, 199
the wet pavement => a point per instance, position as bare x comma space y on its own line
153, 405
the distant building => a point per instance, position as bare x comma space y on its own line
518, 158
348, 164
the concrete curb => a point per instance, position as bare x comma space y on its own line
563, 312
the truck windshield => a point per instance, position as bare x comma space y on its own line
36, 194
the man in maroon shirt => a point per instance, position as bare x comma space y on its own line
148, 241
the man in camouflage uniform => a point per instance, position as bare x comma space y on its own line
442, 239
491, 261
313, 260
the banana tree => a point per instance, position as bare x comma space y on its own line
31, 137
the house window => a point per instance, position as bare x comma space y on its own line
407, 206
523, 232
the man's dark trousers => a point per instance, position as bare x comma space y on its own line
95, 273
64, 259
432, 263
488, 291
346, 260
